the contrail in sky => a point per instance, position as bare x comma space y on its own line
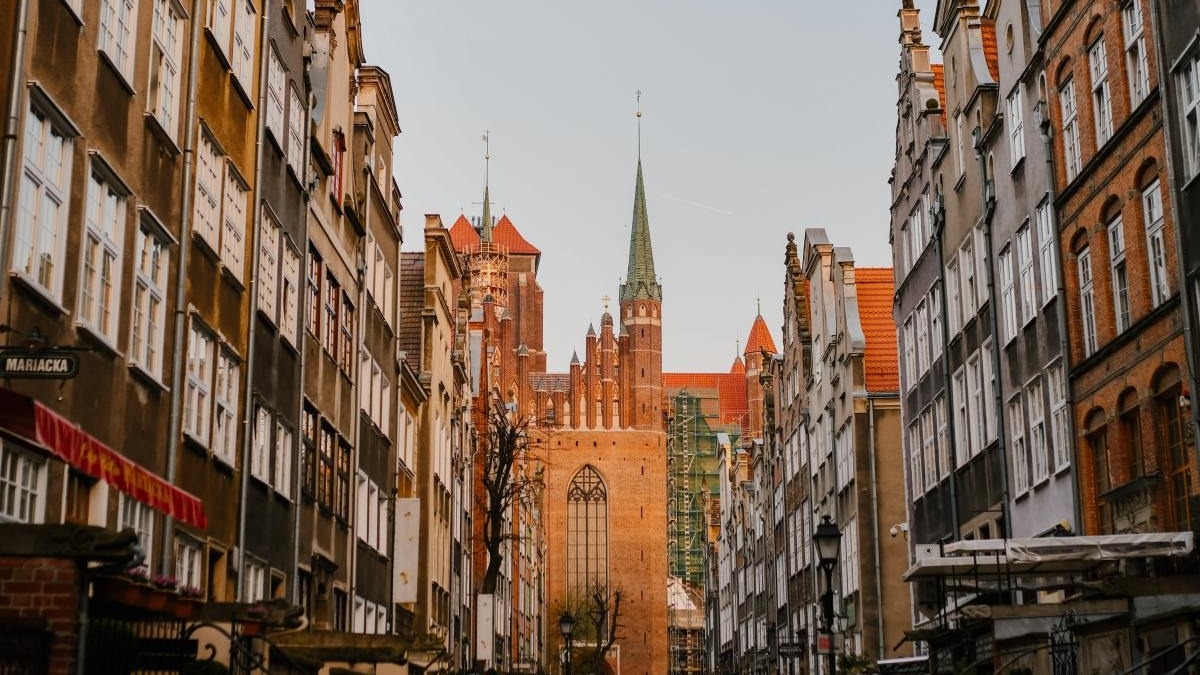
706, 207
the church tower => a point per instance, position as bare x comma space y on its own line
641, 319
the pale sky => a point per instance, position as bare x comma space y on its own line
759, 118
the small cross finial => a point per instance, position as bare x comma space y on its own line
605, 300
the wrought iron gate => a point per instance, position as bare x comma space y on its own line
1064, 647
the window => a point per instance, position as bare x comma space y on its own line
1070, 117
371, 514
197, 414
1097, 444
188, 563
1020, 452
943, 436
1016, 127
341, 507
268, 266
1101, 96
1060, 431
916, 471
140, 517
1130, 429
118, 19
966, 262
1008, 296
22, 485
308, 451
99, 299
953, 306
255, 588
260, 451
922, 321
77, 506
929, 448
220, 24
316, 269
347, 330
901, 248
328, 442
296, 136
333, 300
220, 210
282, 479
1156, 242
382, 287
587, 532
242, 56
990, 391
962, 420
1189, 104
910, 371
1087, 301
1135, 52
976, 395
1175, 448
224, 442
233, 247
935, 323
1025, 265
982, 267
166, 56
1040, 464
41, 227
960, 143
276, 84
1120, 274
289, 313
149, 298
1048, 243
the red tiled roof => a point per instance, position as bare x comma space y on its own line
463, 235
991, 51
939, 83
876, 289
730, 388
738, 366
505, 234
760, 338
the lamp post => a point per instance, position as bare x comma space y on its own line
828, 540
566, 624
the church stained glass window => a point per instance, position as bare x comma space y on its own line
587, 532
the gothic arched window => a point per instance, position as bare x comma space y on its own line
587, 532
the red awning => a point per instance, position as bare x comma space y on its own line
33, 421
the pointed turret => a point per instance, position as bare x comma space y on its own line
641, 283
485, 230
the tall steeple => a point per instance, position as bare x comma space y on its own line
640, 282
485, 228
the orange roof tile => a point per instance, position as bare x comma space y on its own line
991, 51
876, 290
760, 338
463, 235
738, 366
730, 388
506, 235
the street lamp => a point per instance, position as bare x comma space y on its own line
828, 540
566, 624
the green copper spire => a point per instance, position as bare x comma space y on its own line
485, 228
640, 282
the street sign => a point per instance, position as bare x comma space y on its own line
45, 364
791, 649
824, 644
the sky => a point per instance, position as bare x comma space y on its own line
759, 118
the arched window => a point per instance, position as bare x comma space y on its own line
1096, 439
1174, 441
587, 532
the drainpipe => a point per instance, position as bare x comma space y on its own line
875, 517
12, 125
1166, 84
249, 419
301, 336
989, 210
175, 420
1061, 294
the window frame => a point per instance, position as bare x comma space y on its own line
1156, 243
1118, 271
1016, 126
102, 252
1069, 108
23, 474
1102, 108
148, 314
40, 184
1087, 300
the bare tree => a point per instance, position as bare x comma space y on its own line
508, 478
605, 612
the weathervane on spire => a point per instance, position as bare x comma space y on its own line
639, 123
487, 156
605, 300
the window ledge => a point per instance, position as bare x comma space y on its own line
223, 462
242, 91
232, 278
148, 377
38, 293
101, 340
1020, 164
122, 79
162, 134
71, 11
